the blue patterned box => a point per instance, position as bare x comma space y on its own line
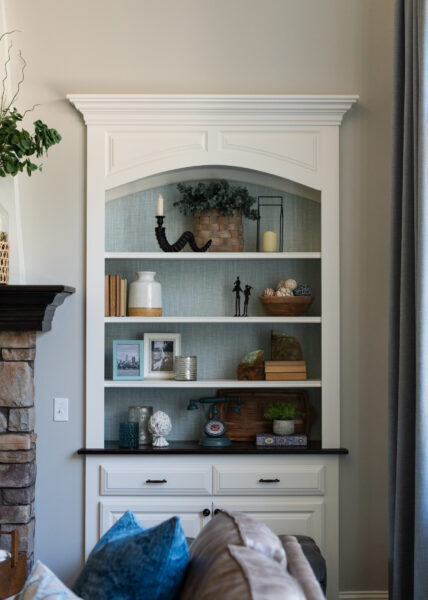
269, 439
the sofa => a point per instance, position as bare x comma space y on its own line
235, 557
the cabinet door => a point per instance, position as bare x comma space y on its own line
153, 511
299, 516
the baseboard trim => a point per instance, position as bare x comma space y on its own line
366, 595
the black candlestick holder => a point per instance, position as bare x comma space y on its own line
186, 238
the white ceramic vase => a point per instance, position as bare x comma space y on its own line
145, 296
283, 427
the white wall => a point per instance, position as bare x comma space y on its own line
211, 46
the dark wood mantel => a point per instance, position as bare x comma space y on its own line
30, 307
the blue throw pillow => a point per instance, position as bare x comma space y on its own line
133, 563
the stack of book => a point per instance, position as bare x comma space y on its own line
285, 370
115, 296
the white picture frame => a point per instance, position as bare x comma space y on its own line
160, 350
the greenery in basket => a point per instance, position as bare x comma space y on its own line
216, 195
280, 411
17, 145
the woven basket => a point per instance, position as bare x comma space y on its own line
225, 232
4, 262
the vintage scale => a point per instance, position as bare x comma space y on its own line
214, 428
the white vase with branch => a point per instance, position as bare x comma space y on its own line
17, 145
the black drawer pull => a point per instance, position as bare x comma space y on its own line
269, 480
206, 512
155, 480
217, 510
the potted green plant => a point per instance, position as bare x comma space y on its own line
217, 208
18, 146
282, 414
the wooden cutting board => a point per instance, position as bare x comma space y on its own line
245, 426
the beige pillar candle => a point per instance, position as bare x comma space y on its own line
160, 206
270, 241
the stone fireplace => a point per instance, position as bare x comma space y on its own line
24, 310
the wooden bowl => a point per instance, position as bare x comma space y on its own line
286, 306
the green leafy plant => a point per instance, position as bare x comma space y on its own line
216, 195
18, 145
280, 411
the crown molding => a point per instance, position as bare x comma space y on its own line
257, 110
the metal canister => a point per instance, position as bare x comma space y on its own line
185, 368
141, 415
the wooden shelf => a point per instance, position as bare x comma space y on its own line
234, 320
211, 383
211, 255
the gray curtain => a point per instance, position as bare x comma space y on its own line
408, 403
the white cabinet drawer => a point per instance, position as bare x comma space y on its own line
155, 481
299, 480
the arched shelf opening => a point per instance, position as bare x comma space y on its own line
131, 209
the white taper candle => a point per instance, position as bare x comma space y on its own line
160, 206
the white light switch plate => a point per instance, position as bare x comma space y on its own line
60, 409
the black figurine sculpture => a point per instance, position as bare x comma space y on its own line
237, 290
247, 294
186, 237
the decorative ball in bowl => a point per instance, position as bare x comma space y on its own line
286, 306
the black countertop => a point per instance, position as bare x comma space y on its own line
112, 448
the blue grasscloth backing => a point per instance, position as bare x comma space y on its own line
133, 563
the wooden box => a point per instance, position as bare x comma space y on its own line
245, 426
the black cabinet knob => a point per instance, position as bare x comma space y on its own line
206, 512
217, 510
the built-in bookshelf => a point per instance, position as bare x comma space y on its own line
137, 147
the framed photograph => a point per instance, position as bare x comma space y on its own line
160, 349
128, 360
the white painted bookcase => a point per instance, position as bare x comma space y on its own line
293, 140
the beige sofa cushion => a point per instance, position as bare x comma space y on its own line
300, 569
240, 530
242, 573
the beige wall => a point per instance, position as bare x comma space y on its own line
212, 46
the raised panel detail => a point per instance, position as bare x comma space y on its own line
296, 147
129, 149
289, 480
284, 517
154, 511
140, 481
